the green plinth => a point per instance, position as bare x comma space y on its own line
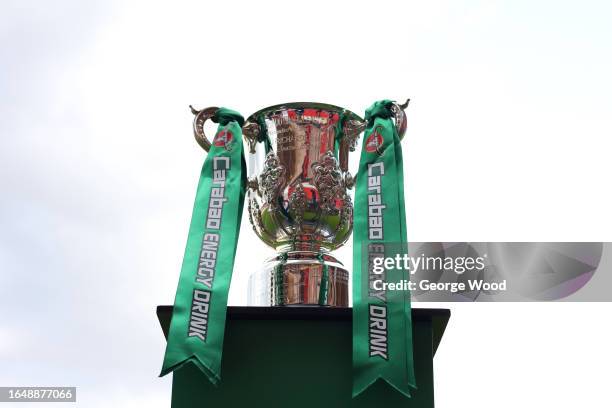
300, 357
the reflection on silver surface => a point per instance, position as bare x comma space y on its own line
300, 278
299, 203
301, 199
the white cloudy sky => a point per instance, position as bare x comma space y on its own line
509, 139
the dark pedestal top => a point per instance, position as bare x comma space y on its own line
438, 317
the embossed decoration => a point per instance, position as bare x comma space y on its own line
346, 213
328, 180
352, 129
297, 206
272, 179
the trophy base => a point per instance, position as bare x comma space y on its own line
300, 278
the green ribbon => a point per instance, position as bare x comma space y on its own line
198, 318
382, 326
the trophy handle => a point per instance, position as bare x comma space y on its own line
201, 116
399, 115
354, 126
250, 132
351, 129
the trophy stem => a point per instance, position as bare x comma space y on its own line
300, 277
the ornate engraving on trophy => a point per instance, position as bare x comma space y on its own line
290, 139
329, 183
297, 207
272, 179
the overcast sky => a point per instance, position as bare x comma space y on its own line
509, 140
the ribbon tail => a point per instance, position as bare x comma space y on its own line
400, 385
195, 360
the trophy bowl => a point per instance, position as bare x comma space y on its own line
298, 199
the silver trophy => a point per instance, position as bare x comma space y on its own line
298, 200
